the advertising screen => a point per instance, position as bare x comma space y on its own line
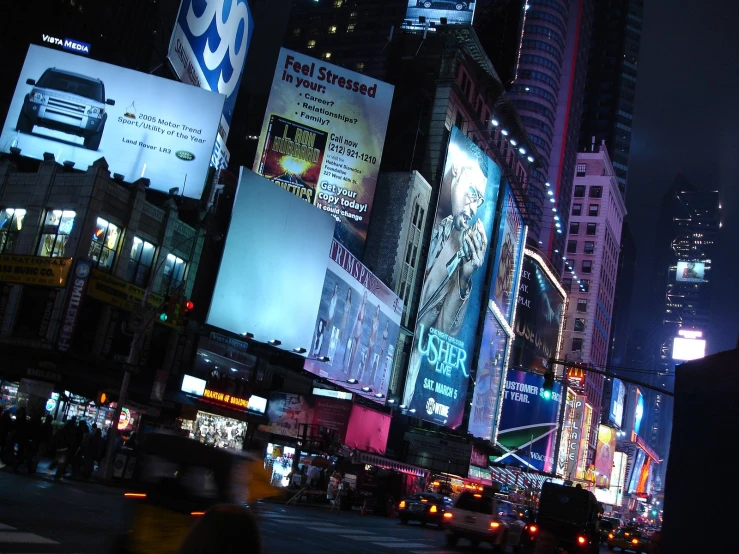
208, 48
507, 263
618, 397
638, 410
288, 415
322, 139
451, 295
357, 326
82, 110
528, 422
367, 430
690, 272
636, 471
273, 265
422, 13
539, 314
193, 385
604, 452
688, 349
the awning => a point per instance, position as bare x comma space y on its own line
387, 463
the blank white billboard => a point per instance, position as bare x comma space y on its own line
82, 110
273, 266
688, 349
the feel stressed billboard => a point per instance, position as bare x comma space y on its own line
209, 45
357, 327
528, 421
422, 13
451, 295
82, 110
539, 313
273, 265
322, 139
690, 272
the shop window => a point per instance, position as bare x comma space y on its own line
577, 344
140, 262
11, 223
589, 247
174, 273
579, 191
55, 233
104, 244
580, 324
574, 228
577, 209
582, 305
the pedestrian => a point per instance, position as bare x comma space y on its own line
33, 435
19, 438
224, 529
81, 435
6, 425
44, 435
64, 441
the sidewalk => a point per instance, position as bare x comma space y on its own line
43, 472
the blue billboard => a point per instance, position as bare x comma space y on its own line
452, 292
528, 422
208, 48
618, 397
508, 254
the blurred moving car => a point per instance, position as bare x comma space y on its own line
482, 517
630, 539
608, 525
425, 507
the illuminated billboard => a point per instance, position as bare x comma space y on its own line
618, 398
638, 410
322, 139
452, 291
357, 326
690, 272
684, 349
528, 422
82, 110
507, 263
208, 48
273, 266
429, 13
539, 316
604, 452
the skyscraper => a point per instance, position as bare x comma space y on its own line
610, 91
547, 90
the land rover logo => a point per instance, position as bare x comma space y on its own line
185, 155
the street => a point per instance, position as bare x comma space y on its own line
38, 516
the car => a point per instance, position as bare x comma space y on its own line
631, 539
459, 6
68, 102
482, 517
608, 525
425, 507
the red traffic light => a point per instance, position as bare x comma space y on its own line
189, 305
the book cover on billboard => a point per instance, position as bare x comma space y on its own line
292, 156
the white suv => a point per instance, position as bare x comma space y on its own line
480, 518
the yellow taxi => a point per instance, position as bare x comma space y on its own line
630, 539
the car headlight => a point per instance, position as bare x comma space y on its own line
96, 112
38, 97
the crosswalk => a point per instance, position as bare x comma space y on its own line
12, 538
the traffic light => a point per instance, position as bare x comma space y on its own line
546, 389
102, 398
169, 311
185, 310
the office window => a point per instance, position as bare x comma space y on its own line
338, 3
593, 209
579, 191
590, 229
11, 223
332, 29
326, 55
571, 246
577, 344
360, 66
104, 244
574, 228
587, 266
580, 324
567, 284
296, 32
596, 192
584, 285
582, 305
350, 28
174, 273
140, 262
589, 247
311, 44
55, 233
577, 209
581, 168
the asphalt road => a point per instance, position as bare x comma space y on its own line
39, 516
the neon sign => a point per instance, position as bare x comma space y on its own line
254, 403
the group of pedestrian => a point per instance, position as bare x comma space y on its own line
25, 440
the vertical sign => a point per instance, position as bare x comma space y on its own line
73, 304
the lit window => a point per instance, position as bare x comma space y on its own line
579, 324
55, 233
140, 262
353, 15
326, 55
11, 223
332, 29
360, 66
338, 3
350, 28
104, 244
311, 44
577, 209
174, 273
581, 168
296, 32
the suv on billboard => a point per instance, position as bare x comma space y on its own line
66, 102
443, 4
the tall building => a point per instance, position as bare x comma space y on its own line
610, 90
619, 342
547, 90
591, 267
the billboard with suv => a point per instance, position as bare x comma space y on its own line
82, 110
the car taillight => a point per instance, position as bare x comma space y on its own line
448, 515
610, 535
581, 540
402, 504
634, 541
533, 528
494, 524
134, 494
197, 514
433, 509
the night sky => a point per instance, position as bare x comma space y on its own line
687, 119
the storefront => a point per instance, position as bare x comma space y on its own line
216, 430
279, 461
